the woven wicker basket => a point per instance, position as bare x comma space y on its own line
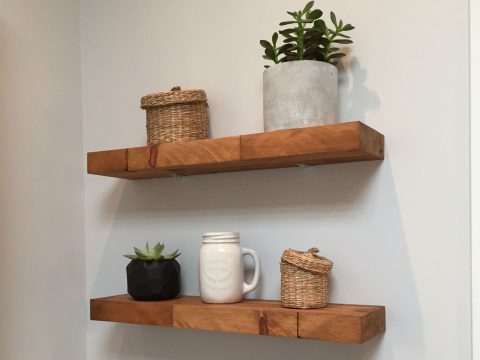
304, 279
176, 115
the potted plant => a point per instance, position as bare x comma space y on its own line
301, 89
152, 275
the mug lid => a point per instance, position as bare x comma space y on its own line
221, 237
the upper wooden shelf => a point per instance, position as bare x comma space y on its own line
328, 144
339, 323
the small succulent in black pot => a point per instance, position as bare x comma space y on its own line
153, 275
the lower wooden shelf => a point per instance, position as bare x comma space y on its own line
339, 323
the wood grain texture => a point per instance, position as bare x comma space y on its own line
248, 317
108, 163
338, 323
328, 144
125, 310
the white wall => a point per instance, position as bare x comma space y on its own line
42, 267
475, 169
398, 230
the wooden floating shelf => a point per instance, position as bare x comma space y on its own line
328, 144
339, 323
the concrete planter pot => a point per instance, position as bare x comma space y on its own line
299, 94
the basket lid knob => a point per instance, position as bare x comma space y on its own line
313, 251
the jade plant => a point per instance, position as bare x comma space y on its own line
307, 37
156, 253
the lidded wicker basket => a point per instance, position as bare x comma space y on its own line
304, 279
176, 115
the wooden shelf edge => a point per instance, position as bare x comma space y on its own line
336, 323
327, 144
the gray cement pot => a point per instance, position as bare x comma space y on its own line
299, 94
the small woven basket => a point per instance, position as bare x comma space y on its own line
176, 115
304, 279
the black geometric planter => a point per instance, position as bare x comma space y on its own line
153, 280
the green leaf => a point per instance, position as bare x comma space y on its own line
317, 39
313, 30
294, 14
343, 35
343, 41
287, 23
335, 56
266, 66
270, 53
308, 7
320, 24
131, 257
340, 24
315, 14
348, 27
274, 38
147, 247
314, 38
287, 32
333, 18
286, 47
139, 252
265, 43
158, 249
173, 255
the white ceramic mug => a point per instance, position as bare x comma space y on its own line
221, 268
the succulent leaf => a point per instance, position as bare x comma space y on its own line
264, 43
173, 255
335, 56
158, 249
156, 253
274, 38
342, 41
308, 7
270, 53
287, 23
139, 252
333, 18
315, 14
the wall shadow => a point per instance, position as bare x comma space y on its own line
355, 98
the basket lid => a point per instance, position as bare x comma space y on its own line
175, 96
308, 260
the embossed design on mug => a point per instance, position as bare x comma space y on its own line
218, 273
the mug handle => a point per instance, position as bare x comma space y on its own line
256, 277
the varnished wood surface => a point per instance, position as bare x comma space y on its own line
338, 323
344, 142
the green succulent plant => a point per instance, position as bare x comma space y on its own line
156, 253
308, 37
